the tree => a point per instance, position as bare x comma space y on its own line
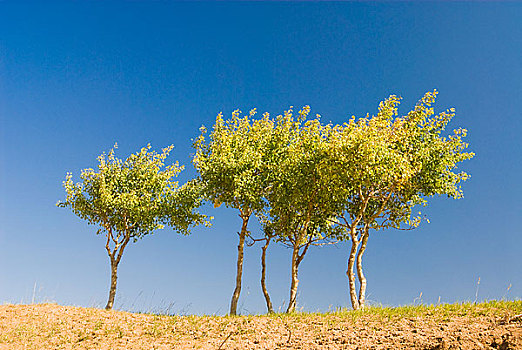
232, 168
386, 165
299, 197
129, 199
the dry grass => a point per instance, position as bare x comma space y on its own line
490, 325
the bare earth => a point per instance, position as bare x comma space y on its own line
494, 325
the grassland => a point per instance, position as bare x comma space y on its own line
490, 325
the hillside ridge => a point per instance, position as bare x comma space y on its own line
489, 325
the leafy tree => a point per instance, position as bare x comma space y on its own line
232, 167
385, 165
129, 199
299, 197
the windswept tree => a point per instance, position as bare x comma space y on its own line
129, 199
268, 237
231, 163
301, 204
385, 166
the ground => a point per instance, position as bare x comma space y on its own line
491, 325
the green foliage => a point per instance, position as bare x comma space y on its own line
232, 161
388, 164
134, 196
299, 194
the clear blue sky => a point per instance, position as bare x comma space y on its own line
77, 77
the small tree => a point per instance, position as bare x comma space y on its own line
131, 198
267, 238
231, 165
388, 164
299, 196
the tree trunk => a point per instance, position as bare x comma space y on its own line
294, 281
115, 255
360, 274
263, 277
114, 278
239, 273
350, 273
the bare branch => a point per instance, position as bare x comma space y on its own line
224, 341
253, 240
306, 246
325, 243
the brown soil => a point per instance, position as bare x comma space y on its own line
49, 326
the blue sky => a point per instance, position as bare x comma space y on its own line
77, 77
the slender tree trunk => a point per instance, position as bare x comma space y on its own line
263, 277
239, 273
120, 241
350, 273
294, 280
296, 260
114, 279
115, 258
360, 274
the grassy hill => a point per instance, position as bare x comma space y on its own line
490, 325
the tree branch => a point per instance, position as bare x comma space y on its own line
373, 217
306, 246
